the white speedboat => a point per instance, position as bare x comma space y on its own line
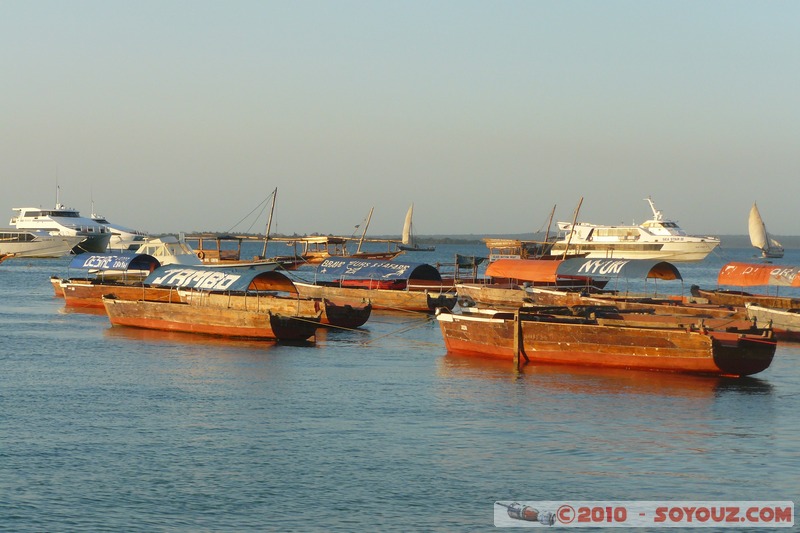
122, 238
657, 238
64, 221
170, 250
24, 243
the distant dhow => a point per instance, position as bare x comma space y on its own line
760, 238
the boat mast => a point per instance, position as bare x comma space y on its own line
269, 222
360, 242
549, 223
572, 228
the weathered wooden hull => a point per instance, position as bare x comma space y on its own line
540, 296
345, 315
210, 320
55, 281
496, 295
785, 322
740, 298
341, 315
87, 294
577, 342
387, 300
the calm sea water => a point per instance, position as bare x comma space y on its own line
115, 429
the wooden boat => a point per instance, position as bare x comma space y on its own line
417, 286
583, 340
737, 274
760, 237
226, 251
785, 322
342, 315
513, 282
236, 302
221, 321
255, 290
408, 240
742, 298
667, 305
88, 294
122, 271
313, 250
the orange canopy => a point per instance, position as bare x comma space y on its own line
543, 270
750, 274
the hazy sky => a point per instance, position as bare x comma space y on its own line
185, 115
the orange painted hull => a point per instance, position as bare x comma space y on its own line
584, 342
85, 294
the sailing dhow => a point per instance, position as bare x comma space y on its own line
760, 238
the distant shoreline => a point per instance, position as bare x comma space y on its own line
727, 241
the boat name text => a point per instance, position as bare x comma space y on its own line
196, 279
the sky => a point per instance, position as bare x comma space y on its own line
171, 116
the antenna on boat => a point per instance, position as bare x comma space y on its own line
572, 228
657, 215
269, 222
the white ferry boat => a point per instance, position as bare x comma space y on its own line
25, 243
64, 221
122, 238
657, 238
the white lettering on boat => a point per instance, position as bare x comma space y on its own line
602, 266
197, 279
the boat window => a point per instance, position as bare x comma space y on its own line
615, 232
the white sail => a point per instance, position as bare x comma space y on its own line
407, 226
760, 238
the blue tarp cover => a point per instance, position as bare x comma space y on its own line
351, 268
618, 268
118, 261
211, 278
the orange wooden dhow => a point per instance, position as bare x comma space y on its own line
741, 275
88, 294
584, 340
122, 271
259, 288
207, 305
785, 322
387, 285
221, 321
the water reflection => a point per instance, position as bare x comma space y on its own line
603, 381
185, 339
100, 311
